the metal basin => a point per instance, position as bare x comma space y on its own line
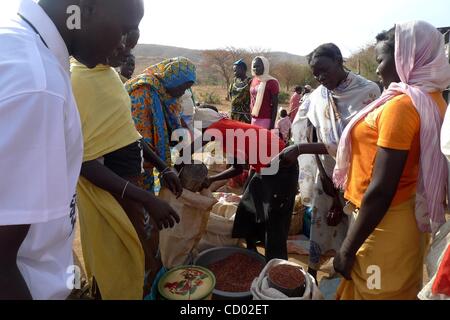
211, 256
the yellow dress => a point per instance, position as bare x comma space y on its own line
394, 252
111, 247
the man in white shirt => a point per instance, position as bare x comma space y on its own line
41, 146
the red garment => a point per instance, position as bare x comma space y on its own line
239, 181
442, 283
257, 146
272, 89
294, 105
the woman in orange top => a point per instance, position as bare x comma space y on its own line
393, 172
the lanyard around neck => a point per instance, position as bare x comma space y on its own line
32, 27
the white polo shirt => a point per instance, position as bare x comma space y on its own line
41, 148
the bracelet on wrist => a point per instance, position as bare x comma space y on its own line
166, 171
124, 189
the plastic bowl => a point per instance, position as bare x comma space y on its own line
211, 256
176, 275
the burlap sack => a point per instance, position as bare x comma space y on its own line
435, 256
220, 227
177, 244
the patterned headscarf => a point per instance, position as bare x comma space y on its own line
173, 72
148, 91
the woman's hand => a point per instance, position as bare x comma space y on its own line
288, 157
343, 264
162, 213
169, 179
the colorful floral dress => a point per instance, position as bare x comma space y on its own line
156, 114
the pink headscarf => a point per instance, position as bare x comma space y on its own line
423, 68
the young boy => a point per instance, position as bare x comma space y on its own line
284, 125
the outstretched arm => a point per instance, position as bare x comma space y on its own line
231, 172
289, 156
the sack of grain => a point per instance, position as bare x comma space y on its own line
220, 224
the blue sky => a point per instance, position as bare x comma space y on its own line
295, 26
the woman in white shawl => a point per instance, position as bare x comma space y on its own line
317, 129
264, 90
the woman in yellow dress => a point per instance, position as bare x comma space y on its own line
115, 211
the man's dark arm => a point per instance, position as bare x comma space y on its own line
12, 283
231, 172
152, 157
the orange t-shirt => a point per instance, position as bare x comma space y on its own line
395, 125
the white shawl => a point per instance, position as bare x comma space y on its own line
264, 78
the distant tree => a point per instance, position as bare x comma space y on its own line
287, 73
237, 54
221, 60
291, 74
256, 51
363, 62
308, 77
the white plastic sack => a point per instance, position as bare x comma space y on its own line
437, 250
261, 291
220, 224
